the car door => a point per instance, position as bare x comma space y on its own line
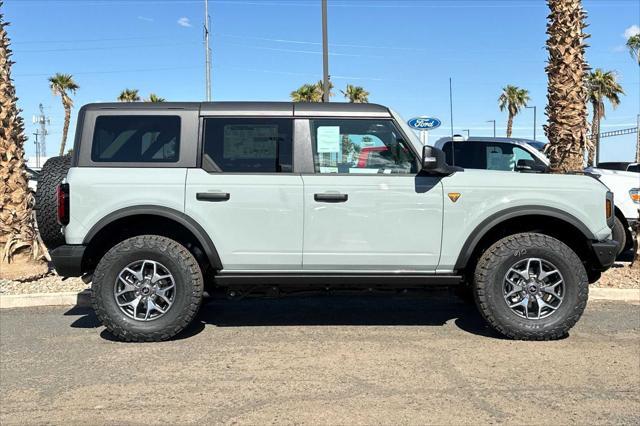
245, 194
366, 207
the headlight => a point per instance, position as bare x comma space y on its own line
635, 195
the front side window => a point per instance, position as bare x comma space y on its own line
136, 139
247, 145
360, 147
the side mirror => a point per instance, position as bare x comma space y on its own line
529, 166
434, 161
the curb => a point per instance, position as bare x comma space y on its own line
82, 299
615, 294
45, 299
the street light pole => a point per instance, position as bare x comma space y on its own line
494, 126
534, 120
325, 54
207, 53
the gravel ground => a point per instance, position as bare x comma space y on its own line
619, 276
50, 284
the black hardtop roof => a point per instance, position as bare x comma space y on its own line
245, 108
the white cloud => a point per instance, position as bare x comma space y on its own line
631, 31
184, 22
145, 18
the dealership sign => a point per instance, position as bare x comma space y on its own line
424, 123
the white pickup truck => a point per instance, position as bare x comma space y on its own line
525, 155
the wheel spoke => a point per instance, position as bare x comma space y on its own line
150, 277
521, 273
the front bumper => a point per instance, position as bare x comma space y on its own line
67, 260
604, 254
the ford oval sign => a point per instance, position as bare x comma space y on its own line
424, 123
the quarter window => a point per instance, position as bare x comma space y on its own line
247, 145
360, 147
136, 139
486, 156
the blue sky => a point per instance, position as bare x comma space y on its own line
402, 52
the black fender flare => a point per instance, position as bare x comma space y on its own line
513, 212
189, 223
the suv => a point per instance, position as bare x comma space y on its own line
163, 199
525, 155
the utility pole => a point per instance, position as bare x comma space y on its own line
37, 150
207, 52
42, 120
494, 126
534, 120
325, 54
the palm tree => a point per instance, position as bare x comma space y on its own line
154, 98
566, 89
129, 95
18, 236
306, 93
356, 94
62, 85
633, 44
601, 85
513, 99
320, 88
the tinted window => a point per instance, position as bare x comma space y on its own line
634, 168
247, 145
486, 156
142, 138
360, 146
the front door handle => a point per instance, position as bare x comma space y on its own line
330, 198
213, 196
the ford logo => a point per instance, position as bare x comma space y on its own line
424, 123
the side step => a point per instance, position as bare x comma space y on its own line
336, 280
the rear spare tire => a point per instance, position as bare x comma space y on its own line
53, 172
531, 287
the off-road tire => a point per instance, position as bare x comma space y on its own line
188, 280
52, 174
619, 234
490, 273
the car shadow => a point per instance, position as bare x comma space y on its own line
419, 309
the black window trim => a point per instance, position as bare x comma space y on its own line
201, 131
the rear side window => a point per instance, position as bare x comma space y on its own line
136, 139
247, 145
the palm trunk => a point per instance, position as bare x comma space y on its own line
17, 228
566, 91
509, 125
594, 141
65, 129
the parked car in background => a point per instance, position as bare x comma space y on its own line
33, 175
525, 155
623, 166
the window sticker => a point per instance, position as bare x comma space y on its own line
328, 139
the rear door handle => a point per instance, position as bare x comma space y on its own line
213, 196
330, 198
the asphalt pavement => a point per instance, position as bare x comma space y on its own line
320, 360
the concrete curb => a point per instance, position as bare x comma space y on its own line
617, 294
45, 299
630, 295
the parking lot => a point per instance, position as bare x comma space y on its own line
322, 360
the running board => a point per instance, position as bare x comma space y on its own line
337, 280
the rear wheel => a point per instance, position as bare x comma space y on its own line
53, 172
531, 287
147, 288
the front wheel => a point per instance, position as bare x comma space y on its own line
147, 288
531, 287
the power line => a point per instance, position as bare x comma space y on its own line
109, 71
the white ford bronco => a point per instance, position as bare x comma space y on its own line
161, 200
